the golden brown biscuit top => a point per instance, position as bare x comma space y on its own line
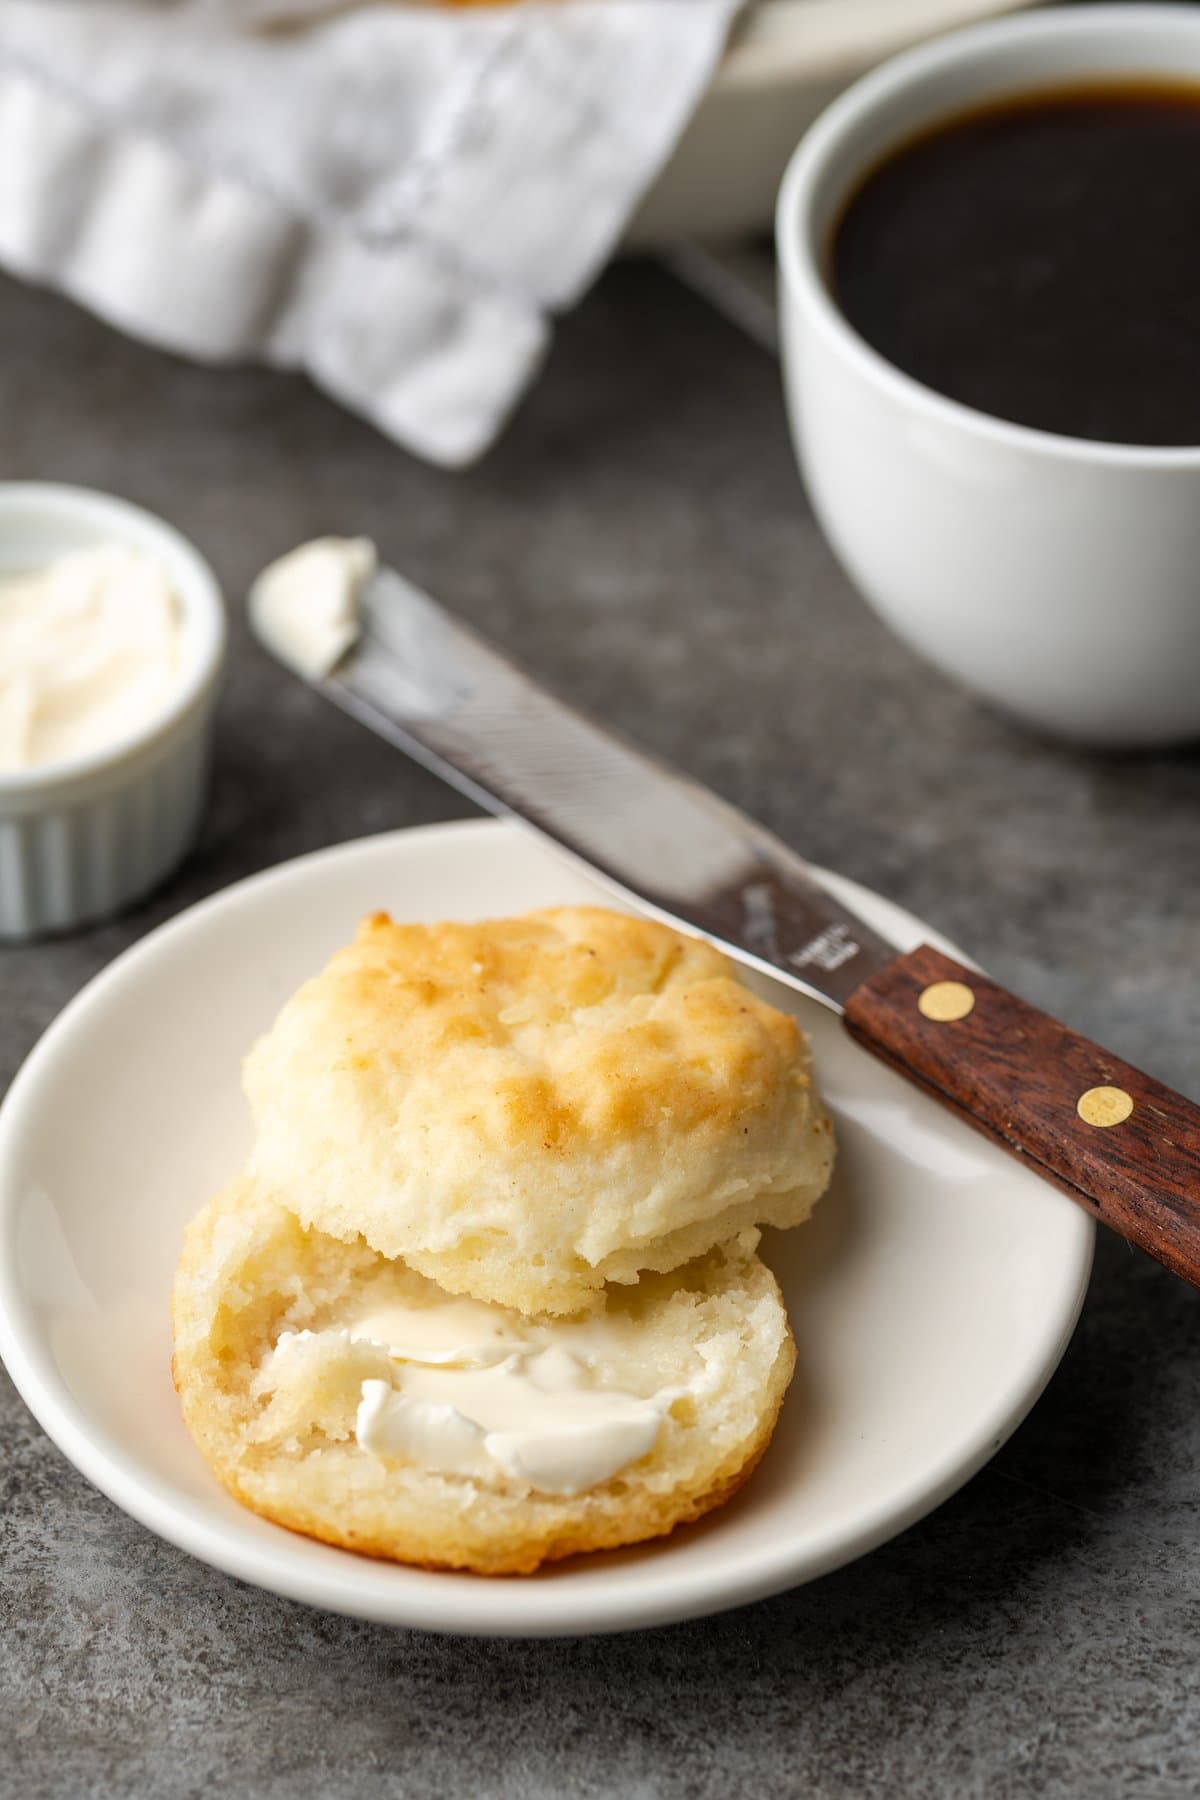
525, 1107
614, 1021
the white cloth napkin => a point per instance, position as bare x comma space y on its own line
392, 197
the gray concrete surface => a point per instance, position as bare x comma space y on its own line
641, 538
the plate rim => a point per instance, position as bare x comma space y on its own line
148, 1500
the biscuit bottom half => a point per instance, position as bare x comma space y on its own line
280, 1430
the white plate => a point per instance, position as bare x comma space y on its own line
786, 60
931, 1297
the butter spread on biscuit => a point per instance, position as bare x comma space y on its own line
464, 1333
305, 607
477, 1391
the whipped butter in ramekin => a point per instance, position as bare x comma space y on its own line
112, 633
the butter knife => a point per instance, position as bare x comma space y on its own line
1119, 1143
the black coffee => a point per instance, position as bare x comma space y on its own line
1040, 260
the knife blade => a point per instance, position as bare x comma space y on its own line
1118, 1142
437, 690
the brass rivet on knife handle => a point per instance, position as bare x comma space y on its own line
1044, 1092
945, 1001
1104, 1106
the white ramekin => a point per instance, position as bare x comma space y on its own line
1057, 578
80, 839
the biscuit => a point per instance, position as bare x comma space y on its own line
526, 1109
279, 1430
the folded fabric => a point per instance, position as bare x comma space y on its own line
395, 198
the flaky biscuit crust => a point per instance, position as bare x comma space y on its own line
525, 1109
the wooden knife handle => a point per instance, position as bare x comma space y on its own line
1120, 1144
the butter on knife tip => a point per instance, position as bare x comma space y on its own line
305, 608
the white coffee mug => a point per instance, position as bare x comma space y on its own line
1057, 578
